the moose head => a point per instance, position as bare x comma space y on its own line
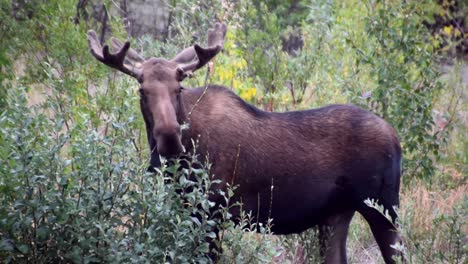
160, 83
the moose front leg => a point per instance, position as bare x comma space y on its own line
215, 246
333, 233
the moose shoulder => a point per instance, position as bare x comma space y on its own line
299, 168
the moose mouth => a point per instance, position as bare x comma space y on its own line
169, 145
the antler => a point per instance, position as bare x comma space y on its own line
115, 60
216, 35
195, 57
132, 57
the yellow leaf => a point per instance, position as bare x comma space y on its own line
448, 30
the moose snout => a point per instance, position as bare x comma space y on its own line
168, 140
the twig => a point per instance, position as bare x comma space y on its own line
235, 165
202, 95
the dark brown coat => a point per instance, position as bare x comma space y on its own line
302, 163
300, 168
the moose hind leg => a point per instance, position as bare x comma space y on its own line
383, 229
384, 233
333, 233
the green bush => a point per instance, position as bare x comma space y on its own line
99, 204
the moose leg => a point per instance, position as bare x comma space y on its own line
333, 233
215, 246
384, 233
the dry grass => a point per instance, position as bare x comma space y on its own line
361, 245
424, 205
420, 208
434, 222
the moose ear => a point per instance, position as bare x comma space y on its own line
181, 74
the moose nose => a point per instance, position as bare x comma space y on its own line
168, 141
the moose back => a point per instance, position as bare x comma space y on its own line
299, 168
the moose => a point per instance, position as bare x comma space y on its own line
299, 168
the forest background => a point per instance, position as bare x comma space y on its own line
73, 152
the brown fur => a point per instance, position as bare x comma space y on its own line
300, 168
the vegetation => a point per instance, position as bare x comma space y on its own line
73, 153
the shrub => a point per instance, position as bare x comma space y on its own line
99, 204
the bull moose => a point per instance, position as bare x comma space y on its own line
323, 163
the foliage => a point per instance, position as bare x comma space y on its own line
449, 27
405, 69
421, 246
84, 196
446, 246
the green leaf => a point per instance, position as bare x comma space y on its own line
23, 249
6, 245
